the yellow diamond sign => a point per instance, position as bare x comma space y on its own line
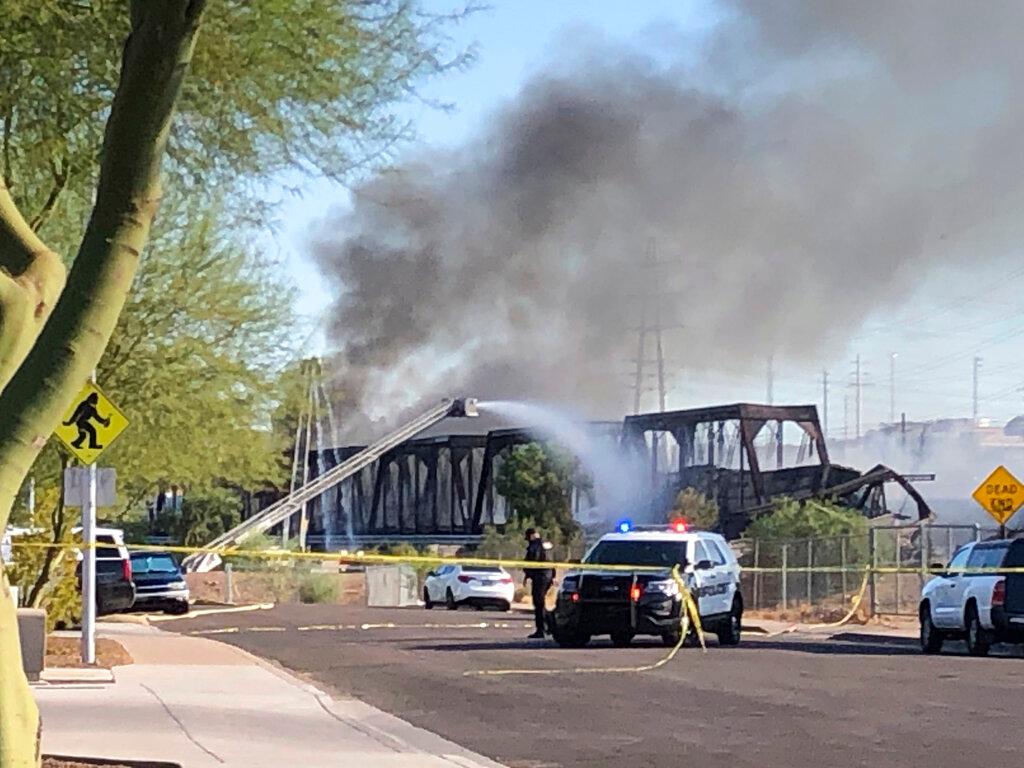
91, 424
1001, 494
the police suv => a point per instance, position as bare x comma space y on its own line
592, 601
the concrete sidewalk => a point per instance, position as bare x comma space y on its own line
201, 703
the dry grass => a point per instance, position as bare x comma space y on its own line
65, 652
805, 613
272, 587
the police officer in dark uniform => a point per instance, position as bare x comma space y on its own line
540, 578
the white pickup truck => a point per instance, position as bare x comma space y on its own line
968, 600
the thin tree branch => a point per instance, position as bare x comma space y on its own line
60, 181
8, 177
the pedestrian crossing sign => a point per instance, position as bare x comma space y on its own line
91, 424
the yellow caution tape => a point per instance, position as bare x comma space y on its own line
352, 558
690, 613
855, 604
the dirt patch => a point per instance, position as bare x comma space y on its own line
809, 614
249, 588
66, 652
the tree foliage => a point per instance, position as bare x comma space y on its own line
194, 363
46, 576
275, 86
537, 482
204, 515
696, 509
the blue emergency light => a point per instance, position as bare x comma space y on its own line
624, 526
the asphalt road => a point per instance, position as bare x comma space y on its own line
789, 702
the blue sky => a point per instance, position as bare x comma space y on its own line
946, 319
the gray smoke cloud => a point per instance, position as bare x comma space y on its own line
817, 158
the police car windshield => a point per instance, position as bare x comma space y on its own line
666, 553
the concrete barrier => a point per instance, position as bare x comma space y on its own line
32, 631
391, 586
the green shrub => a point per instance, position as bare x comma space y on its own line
696, 509
318, 588
791, 519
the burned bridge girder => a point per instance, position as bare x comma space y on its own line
736, 455
715, 450
425, 486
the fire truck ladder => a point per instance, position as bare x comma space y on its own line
202, 562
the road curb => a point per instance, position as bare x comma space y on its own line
868, 637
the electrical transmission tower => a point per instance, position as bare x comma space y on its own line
857, 382
974, 397
650, 351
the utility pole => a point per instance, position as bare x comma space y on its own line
824, 402
892, 387
974, 399
846, 417
771, 379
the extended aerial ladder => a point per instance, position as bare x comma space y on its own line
280, 510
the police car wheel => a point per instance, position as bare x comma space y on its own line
427, 602
571, 639
622, 639
731, 629
449, 600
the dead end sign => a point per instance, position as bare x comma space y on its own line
1001, 494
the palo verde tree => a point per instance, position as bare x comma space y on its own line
52, 335
281, 84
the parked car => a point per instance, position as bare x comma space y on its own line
159, 582
481, 586
115, 589
968, 601
592, 601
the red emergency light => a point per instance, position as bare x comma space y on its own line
679, 526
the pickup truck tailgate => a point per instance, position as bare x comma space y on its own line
1015, 581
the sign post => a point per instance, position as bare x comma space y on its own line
88, 428
1001, 495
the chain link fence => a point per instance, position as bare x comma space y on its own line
822, 575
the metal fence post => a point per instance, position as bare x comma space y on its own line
842, 563
785, 574
229, 592
872, 561
899, 568
757, 574
949, 543
810, 574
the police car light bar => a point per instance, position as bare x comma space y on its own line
676, 526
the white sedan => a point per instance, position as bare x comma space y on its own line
482, 586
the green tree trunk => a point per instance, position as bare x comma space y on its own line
70, 344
